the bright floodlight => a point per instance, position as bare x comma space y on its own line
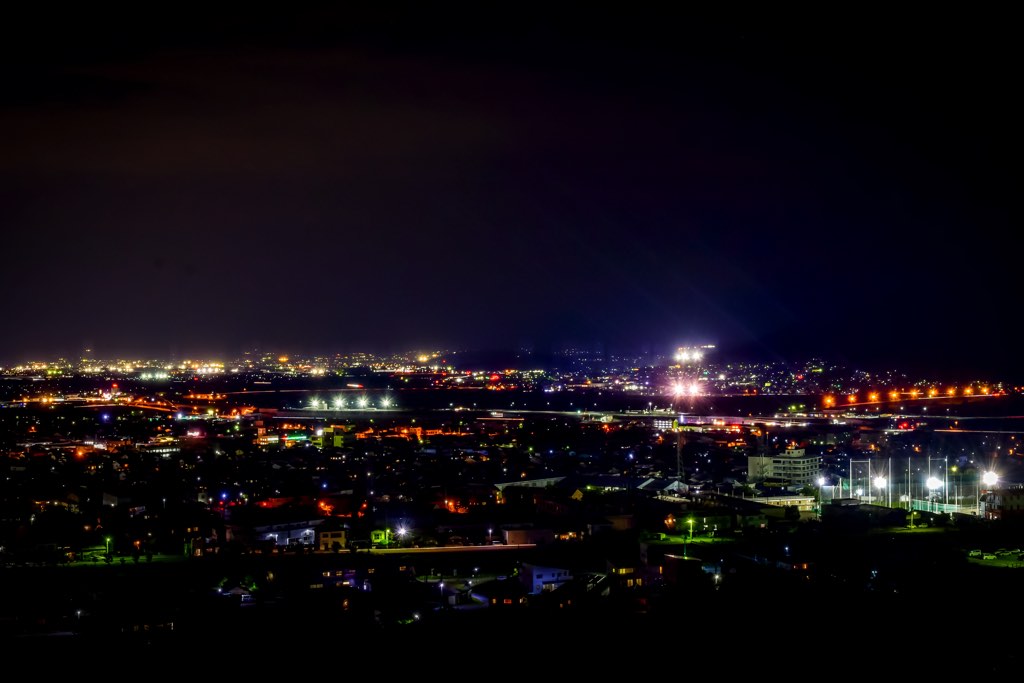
687, 355
821, 481
933, 483
678, 389
880, 482
989, 478
385, 402
339, 403
363, 401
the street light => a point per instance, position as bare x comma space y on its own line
690, 522
107, 540
880, 485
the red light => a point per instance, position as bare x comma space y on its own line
495, 377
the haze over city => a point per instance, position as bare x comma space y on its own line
321, 181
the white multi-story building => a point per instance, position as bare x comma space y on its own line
792, 465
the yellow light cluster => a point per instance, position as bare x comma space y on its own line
895, 395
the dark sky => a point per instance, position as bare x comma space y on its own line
318, 181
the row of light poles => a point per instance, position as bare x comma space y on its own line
338, 403
986, 481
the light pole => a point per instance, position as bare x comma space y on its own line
945, 481
989, 479
821, 484
880, 485
932, 483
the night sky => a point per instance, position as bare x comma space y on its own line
199, 183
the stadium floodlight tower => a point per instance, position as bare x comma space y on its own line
989, 479
933, 484
880, 483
